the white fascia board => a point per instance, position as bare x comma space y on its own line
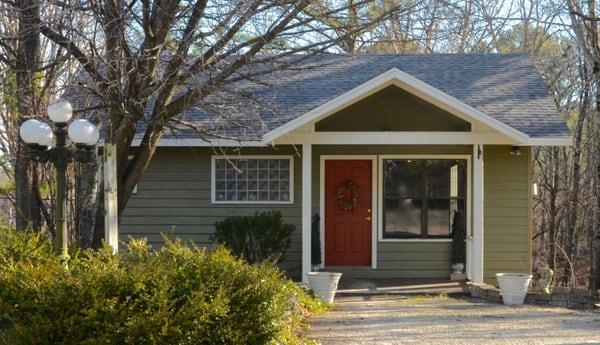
191, 142
396, 138
209, 143
409, 83
414, 138
549, 141
370, 138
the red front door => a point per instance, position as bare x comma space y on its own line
348, 208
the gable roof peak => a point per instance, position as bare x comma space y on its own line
411, 84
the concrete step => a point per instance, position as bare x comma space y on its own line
400, 287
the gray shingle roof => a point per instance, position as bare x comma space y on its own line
506, 87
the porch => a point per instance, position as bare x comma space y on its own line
399, 286
407, 257
394, 119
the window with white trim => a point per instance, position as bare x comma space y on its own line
423, 197
252, 179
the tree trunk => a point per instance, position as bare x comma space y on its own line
553, 211
87, 202
98, 235
26, 65
595, 264
22, 189
571, 245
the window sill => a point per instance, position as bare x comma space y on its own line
415, 240
252, 202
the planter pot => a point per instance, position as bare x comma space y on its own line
513, 287
457, 272
458, 268
324, 284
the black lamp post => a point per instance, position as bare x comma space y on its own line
50, 145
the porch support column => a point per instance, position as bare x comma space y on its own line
477, 257
111, 219
306, 209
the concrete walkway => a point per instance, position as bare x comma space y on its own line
441, 320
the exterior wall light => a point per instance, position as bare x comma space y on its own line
515, 151
47, 144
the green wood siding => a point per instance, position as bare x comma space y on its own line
392, 109
407, 260
507, 211
174, 198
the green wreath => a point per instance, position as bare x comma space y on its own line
346, 195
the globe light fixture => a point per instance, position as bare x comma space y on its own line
60, 111
31, 131
82, 132
95, 136
47, 137
47, 144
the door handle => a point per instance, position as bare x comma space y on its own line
368, 218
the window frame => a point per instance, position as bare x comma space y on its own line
213, 189
380, 195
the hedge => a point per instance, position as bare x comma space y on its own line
179, 294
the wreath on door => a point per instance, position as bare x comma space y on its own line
346, 195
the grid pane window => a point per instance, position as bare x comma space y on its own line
422, 197
252, 180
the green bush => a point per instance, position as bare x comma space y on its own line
176, 295
459, 233
258, 238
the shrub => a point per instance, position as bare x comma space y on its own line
24, 246
459, 250
257, 238
176, 295
315, 249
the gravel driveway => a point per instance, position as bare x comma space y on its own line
443, 320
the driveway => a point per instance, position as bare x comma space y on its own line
444, 320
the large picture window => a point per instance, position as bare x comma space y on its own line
422, 197
252, 179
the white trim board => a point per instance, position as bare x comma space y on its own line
369, 138
562, 141
395, 138
306, 211
374, 202
475, 245
409, 83
197, 142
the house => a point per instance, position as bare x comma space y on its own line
385, 148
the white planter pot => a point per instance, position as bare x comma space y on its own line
324, 284
458, 268
513, 287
